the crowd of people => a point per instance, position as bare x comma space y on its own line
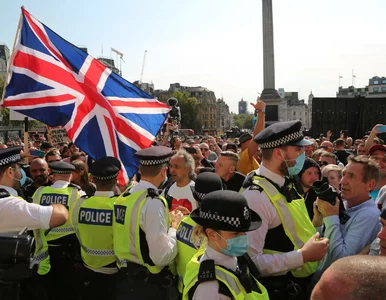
272, 214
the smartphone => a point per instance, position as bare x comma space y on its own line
38, 153
190, 150
382, 128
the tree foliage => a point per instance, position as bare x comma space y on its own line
243, 121
189, 111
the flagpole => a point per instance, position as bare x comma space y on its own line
10, 62
352, 78
339, 82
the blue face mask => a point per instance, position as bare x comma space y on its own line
295, 170
23, 177
236, 246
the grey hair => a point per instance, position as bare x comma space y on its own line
188, 158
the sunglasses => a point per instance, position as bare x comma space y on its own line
322, 163
204, 149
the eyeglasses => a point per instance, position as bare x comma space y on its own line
204, 149
323, 163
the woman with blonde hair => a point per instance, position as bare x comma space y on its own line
333, 174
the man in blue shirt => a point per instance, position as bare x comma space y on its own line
359, 177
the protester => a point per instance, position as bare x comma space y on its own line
80, 177
226, 169
181, 168
308, 175
334, 175
361, 228
356, 278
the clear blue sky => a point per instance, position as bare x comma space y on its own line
218, 43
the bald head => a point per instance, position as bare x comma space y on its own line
327, 146
353, 278
38, 170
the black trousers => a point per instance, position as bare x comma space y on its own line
286, 287
129, 288
97, 286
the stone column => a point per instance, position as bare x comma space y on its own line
269, 91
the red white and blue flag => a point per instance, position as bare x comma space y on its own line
58, 84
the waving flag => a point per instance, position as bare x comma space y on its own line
60, 85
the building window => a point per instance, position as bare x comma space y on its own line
376, 82
384, 89
375, 90
294, 113
383, 81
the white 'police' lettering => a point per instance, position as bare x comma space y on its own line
120, 213
95, 216
48, 199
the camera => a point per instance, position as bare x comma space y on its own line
326, 192
174, 113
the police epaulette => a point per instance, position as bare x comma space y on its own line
75, 186
248, 181
113, 196
207, 271
152, 193
255, 187
4, 193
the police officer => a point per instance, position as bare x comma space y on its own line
187, 245
92, 219
220, 271
15, 212
143, 242
286, 244
57, 250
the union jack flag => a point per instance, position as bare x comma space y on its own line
58, 84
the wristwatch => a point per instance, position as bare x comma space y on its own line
261, 110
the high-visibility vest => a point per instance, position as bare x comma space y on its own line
295, 221
41, 256
224, 276
92, 220
187, 247
127, 230
46, 195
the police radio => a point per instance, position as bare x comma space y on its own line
16, 256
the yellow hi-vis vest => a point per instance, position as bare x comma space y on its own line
46, 195
224, 276
126, 228
187, 247
295, 220
41, 256
92, 220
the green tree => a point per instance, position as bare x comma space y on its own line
189, 111
243, 121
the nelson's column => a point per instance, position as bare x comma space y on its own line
269, 94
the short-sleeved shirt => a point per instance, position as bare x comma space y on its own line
246, 164
16, 213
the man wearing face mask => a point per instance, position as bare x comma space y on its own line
286, 245
15, 212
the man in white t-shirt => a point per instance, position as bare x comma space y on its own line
181, 168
